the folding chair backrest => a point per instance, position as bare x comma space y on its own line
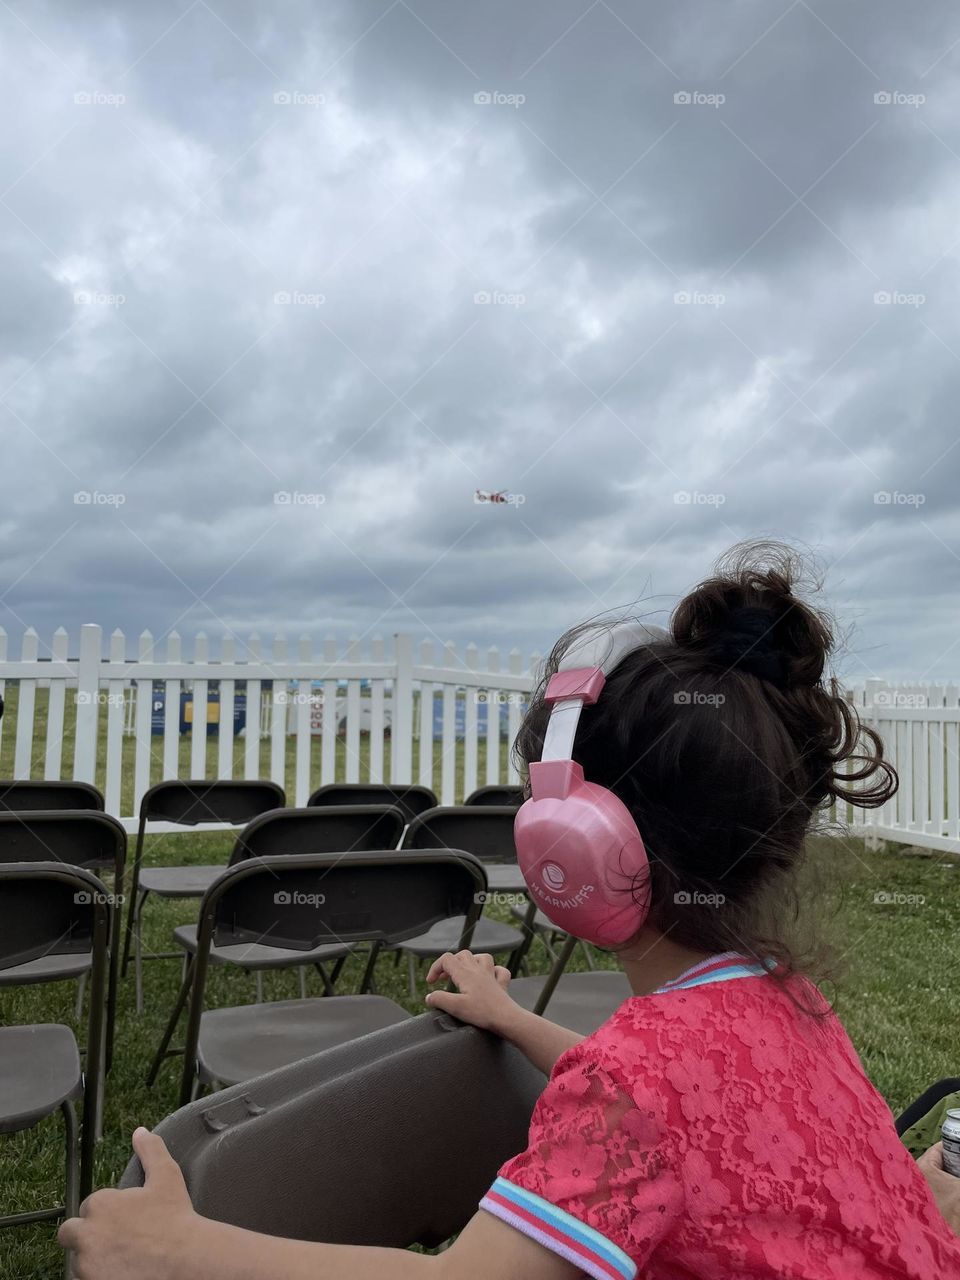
20, 795
337, 829
46, 909
410, 800
387, 1140
496, 795
190, 802
304, 900
483, 830
75, 837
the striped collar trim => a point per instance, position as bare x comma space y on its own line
719, 968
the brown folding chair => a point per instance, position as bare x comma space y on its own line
486, 831
367, 1143
77, 838
302, 902
336, 829
410, 799
51, 911
186, 803
18, 795
496, 795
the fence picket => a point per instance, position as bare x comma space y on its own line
116, 706
26, 709
375, 770
251, 748
302, 723
328, 742
56, 700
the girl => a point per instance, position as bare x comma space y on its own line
719, 1124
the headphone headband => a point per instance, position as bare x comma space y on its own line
581, 675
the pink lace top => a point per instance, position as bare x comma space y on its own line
713, 1129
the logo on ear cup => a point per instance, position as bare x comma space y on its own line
553, 876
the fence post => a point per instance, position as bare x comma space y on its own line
401, 730
88, 698
871, 688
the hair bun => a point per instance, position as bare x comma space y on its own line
746, 617
747, 643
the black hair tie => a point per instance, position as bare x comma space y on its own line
747, 644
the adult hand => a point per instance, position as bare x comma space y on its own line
145, 1232
945, 1187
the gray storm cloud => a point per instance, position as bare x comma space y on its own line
675, 274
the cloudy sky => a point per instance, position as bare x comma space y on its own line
283, 288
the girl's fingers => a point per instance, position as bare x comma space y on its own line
445, 1001
502, 975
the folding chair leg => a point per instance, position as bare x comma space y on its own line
81, 988
138, 952
587, 955
72, 1194
171, 1026
303, 982
259, 987
325, 979
412, 972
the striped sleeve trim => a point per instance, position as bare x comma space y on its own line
559, 1231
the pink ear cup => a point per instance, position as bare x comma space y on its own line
581, 855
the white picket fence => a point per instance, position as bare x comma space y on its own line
355, 688
920, 728
418, 711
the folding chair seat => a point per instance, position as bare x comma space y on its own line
387, 1115
487, 833
186, 803
499, 796
410, 799
300, 902
580, 1001
48, 910
85, 838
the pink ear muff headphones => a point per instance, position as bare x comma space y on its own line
577, 846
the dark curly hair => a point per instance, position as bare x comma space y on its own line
724, 741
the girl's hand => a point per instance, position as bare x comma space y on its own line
148, 1232
481, 996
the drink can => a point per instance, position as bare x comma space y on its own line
951, 1142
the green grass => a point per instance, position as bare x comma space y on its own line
897, 993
